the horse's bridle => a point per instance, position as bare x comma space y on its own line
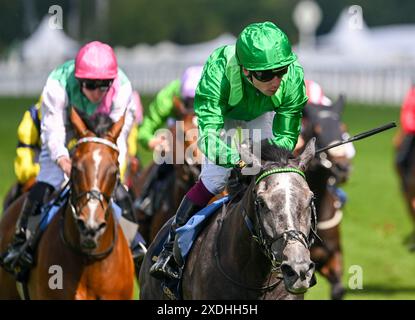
265, 243
91, 195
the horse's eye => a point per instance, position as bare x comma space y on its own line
260, 202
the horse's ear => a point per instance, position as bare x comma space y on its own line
178, 105
307, 155
338, 106
78, 123
116, 128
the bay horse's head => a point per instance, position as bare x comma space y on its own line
283, 215
94, 175
324, 123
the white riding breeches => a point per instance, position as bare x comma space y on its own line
215, 177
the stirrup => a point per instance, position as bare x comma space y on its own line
165, 267
18, 259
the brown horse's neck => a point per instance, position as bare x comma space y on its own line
245, 260
317, 179
72, 236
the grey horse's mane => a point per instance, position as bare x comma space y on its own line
271, 155
275, 154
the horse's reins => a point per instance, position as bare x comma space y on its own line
258, 235
91, 194
219, 265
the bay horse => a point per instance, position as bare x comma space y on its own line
170, 182
83, 239
324, 174
257, 247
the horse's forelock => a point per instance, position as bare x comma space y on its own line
275, 154
99, 123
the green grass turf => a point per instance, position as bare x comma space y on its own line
375, 220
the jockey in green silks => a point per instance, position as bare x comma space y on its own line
256, 84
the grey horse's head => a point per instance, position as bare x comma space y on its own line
283, 211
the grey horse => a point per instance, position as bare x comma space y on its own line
257, 247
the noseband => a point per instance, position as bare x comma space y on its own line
91, 195
265, 245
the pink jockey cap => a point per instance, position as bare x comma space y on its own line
189, 81
315, 94
96, 60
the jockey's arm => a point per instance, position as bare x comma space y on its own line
210, 100
54, 110
286, 126
124, 103
159, 110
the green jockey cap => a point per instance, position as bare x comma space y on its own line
263, 46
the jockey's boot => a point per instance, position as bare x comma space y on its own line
19, 255
138, 244
166, 266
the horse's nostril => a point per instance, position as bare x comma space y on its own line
81, 224
288, 271
311, 266
102, 226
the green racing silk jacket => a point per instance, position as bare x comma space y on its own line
225, 93
159, 110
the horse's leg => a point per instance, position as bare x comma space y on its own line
407, 178
410, 201
336, 265
329, 255
410, 204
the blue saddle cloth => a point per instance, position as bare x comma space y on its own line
186, 236
188, 233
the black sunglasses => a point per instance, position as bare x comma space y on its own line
90, 84
268, 75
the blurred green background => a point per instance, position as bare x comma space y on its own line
375, 219
375, 222
128, 22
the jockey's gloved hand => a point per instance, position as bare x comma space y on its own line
240, 165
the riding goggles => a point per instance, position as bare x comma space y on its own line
90, 84
268, 75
